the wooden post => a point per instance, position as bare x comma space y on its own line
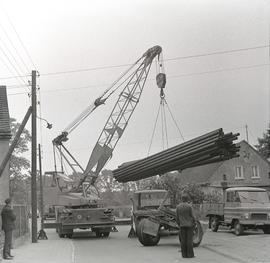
34, 159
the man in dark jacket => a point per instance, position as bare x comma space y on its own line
185, 219
8, 224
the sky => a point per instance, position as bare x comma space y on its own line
227, 90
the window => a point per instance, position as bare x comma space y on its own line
239, 174
229, 196
255, 172
233, 197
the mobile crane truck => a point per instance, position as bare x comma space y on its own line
76, 202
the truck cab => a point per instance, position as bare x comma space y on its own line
243, 208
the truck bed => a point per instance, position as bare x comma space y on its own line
213, 209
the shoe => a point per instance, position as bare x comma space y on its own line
7, 258
11, 256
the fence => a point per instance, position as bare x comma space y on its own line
22, 221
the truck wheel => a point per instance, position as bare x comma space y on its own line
60, 232
238, 228
214, 223
69, 234
266, 230
98, 233
197, 234
145, 239
105, 234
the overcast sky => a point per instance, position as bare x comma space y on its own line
204, 93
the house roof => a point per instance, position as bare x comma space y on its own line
249, 189
200, 174
5, 132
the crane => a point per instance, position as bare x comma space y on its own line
74, 207
132, 82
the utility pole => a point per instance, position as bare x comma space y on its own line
41, 233
34, 159
246, 127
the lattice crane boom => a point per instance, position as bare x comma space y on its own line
131, 82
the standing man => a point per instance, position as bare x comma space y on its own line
186, 220
8, 224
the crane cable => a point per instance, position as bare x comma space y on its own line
161, 82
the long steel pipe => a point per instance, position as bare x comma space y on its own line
212, 147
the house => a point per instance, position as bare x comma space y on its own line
5, 136
249, 169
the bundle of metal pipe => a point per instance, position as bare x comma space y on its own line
212, 147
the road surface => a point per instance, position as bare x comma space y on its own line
223, 246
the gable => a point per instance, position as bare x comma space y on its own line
5, 132
248, 158
213, 174
200, 174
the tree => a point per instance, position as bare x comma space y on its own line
106, 182
19, 166
263, 145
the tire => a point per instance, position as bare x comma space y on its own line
238, 228
145, 239
105, 234
100, 233
97, 232
70, 234
60, 233
197, 234
214, 223
266, 230
136, 223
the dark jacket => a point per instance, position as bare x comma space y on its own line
184, 215
8, 218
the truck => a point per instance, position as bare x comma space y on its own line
153, 214
242, 208
73, 193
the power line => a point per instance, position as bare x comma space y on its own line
219, 70
18, 36
8, 68
217, 53
172, 76
14, 59
125, 65
169, 59
14, 47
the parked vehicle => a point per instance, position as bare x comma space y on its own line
153, 214
243, 208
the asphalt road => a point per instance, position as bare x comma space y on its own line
220, 247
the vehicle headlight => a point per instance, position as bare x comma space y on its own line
246, 215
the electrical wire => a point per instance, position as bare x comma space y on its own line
125, 65
19, 38
172, 76
14, 47
217, 53
169, 59
14, 68
14, 59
